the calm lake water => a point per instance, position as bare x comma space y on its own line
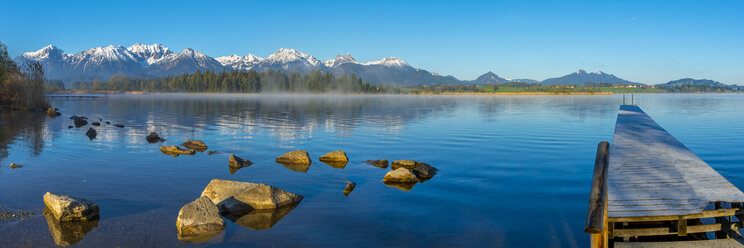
514, 171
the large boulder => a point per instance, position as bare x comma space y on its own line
400, 175
153, 137
382, 163
175, 151
67, 208
66, 233
334, 156
408, 164
236, 163
294, 157
197, 145
199, 220
239, 197
91, 133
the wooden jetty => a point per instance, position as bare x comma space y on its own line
649, 190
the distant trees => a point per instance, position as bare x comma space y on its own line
239, 81
21, 87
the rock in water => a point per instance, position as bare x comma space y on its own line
66, 233
95, 123
349, 187
408, 164
197, 145
154, 138
108, 123
91, 133
13, 166
239, 197
175, 151
400, 175
424, 171
67, 208
79, 121
236, 163
295, 157
119, 125
382, 163
334, 156
69, 126
51, 112
199, 220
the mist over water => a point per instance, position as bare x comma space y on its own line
514, 171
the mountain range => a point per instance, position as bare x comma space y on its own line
156, 60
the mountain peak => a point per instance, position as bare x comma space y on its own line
490, 78
389, 62
287, 55
47, 52
340, 60
239, 62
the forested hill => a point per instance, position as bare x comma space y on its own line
239, 82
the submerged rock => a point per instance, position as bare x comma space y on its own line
236, 198
382, 163
197, 145
199, 220
95, 123
400, 175
236, 163
108, 123
349, 187
91, 133
67, 208
334, 156
119, 125
79, 121
408, 164
154, 138
175, 151
14, 165
295, 157
66, 233
69, 127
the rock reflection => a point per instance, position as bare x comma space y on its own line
336, 164
261, 219
298, 167
401, 186
200, 238
68, 233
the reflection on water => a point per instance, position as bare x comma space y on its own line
495, 153
401, 186
68, 233
336, 164
261, 219
298, 167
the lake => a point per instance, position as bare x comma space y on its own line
514, 171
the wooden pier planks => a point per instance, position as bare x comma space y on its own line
652, 174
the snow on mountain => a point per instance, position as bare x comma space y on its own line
239, 62
389, 62
340, 60
287, 56
187, 61
49, 52
149, 54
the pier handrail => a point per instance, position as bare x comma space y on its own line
596, 215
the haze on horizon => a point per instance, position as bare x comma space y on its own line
649, 42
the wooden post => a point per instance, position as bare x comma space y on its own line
596, 217
681, 227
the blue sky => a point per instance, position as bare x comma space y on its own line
644, 41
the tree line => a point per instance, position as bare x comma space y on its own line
21, 86
239, 81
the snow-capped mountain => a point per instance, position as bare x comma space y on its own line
149, 54
187, 61
340, 60
239, 62
582, 77
156, 60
